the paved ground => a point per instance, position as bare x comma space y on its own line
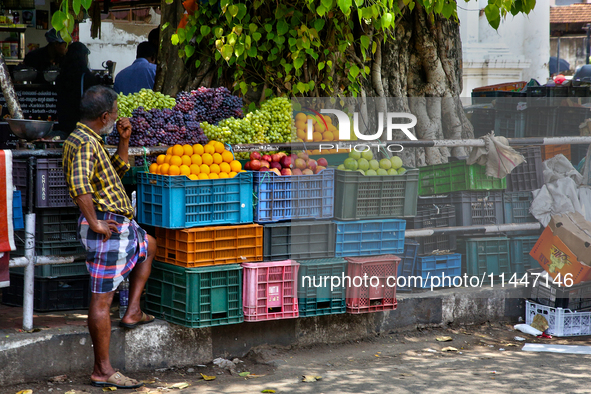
410, 362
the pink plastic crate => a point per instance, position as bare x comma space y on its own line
365, 299
270, 290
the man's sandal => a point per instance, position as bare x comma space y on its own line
119, 381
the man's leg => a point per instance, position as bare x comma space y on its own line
137, 280
99, 325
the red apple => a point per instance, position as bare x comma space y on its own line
300, 163
322, 162
286, 171
255, 156
311, 164
265, 163
307, 171
247, 166
286, 162
276, 171
275, 157
303, 155
318, 169
267, 158
264, 169
275, 164
255, 165
296, 171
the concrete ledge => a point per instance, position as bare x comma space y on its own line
26, 357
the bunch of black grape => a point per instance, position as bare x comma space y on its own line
161, 127
209, 105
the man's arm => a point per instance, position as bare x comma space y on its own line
124, 130
105, 227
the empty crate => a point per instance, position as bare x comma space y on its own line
520, 247
379, 293
472, 208
195, 297
406, 268
210, 245
318, 295
562, 322
270, 290
485, 256
51, 190
437, 270
544, 291
456, 176
528, 175
433, 217
299, 240
517, 205
369, 237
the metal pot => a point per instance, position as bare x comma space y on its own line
30, 129
24, 75
51, 75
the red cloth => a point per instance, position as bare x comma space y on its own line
6, 225
4, 277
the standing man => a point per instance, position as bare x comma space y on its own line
51, 54
142, 72
117, 248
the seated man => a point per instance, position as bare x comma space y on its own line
141, 74
117, 248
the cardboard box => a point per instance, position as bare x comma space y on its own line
575, 232
556, 258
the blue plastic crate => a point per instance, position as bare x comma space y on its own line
370, 237
293, 197
408, 260
18, 220
427, 267
316, 297
178, 202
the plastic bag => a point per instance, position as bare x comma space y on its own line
527, 329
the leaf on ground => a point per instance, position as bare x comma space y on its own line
205, 377
243, 374
148, 381
252, 376
310, 378
25, 392
449, 349
267, 391
109, 388
406, 374
444, 339
183, 385
377, 355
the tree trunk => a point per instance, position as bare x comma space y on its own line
14, 107
421, 68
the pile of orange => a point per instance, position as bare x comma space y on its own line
211, 161
321, 131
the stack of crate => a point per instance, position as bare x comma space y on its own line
57, 287
477, 200
204, 231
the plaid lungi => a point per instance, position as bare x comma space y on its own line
109, 263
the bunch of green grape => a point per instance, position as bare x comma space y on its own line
146, 98
273, 122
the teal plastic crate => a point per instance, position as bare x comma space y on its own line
517, 206
369, 237
488, 255
18, 220
443, 266
195, 297
77, 268
520, 247
316, 297
456, 176
360, 197
177, 202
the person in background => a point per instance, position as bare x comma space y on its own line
141, 74
117, 248
74, 79
49, 55
154, 38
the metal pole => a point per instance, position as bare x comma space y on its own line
29, 277
558, 56
588, 28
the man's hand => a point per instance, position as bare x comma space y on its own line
124, 128
105, 227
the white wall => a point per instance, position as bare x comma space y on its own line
518, 50
118, 42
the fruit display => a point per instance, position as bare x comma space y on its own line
181, 124
211, 161
283, 164
273, 122
365, 163
145, 98
324, 130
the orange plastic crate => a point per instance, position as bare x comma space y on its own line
509, 86
549, 151
202, 246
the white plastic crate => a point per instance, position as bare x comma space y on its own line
562, 322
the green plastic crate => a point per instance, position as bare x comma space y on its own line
77, 268
359, 196
313, 297
195, 297
489, 255
130, 177
456, 176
